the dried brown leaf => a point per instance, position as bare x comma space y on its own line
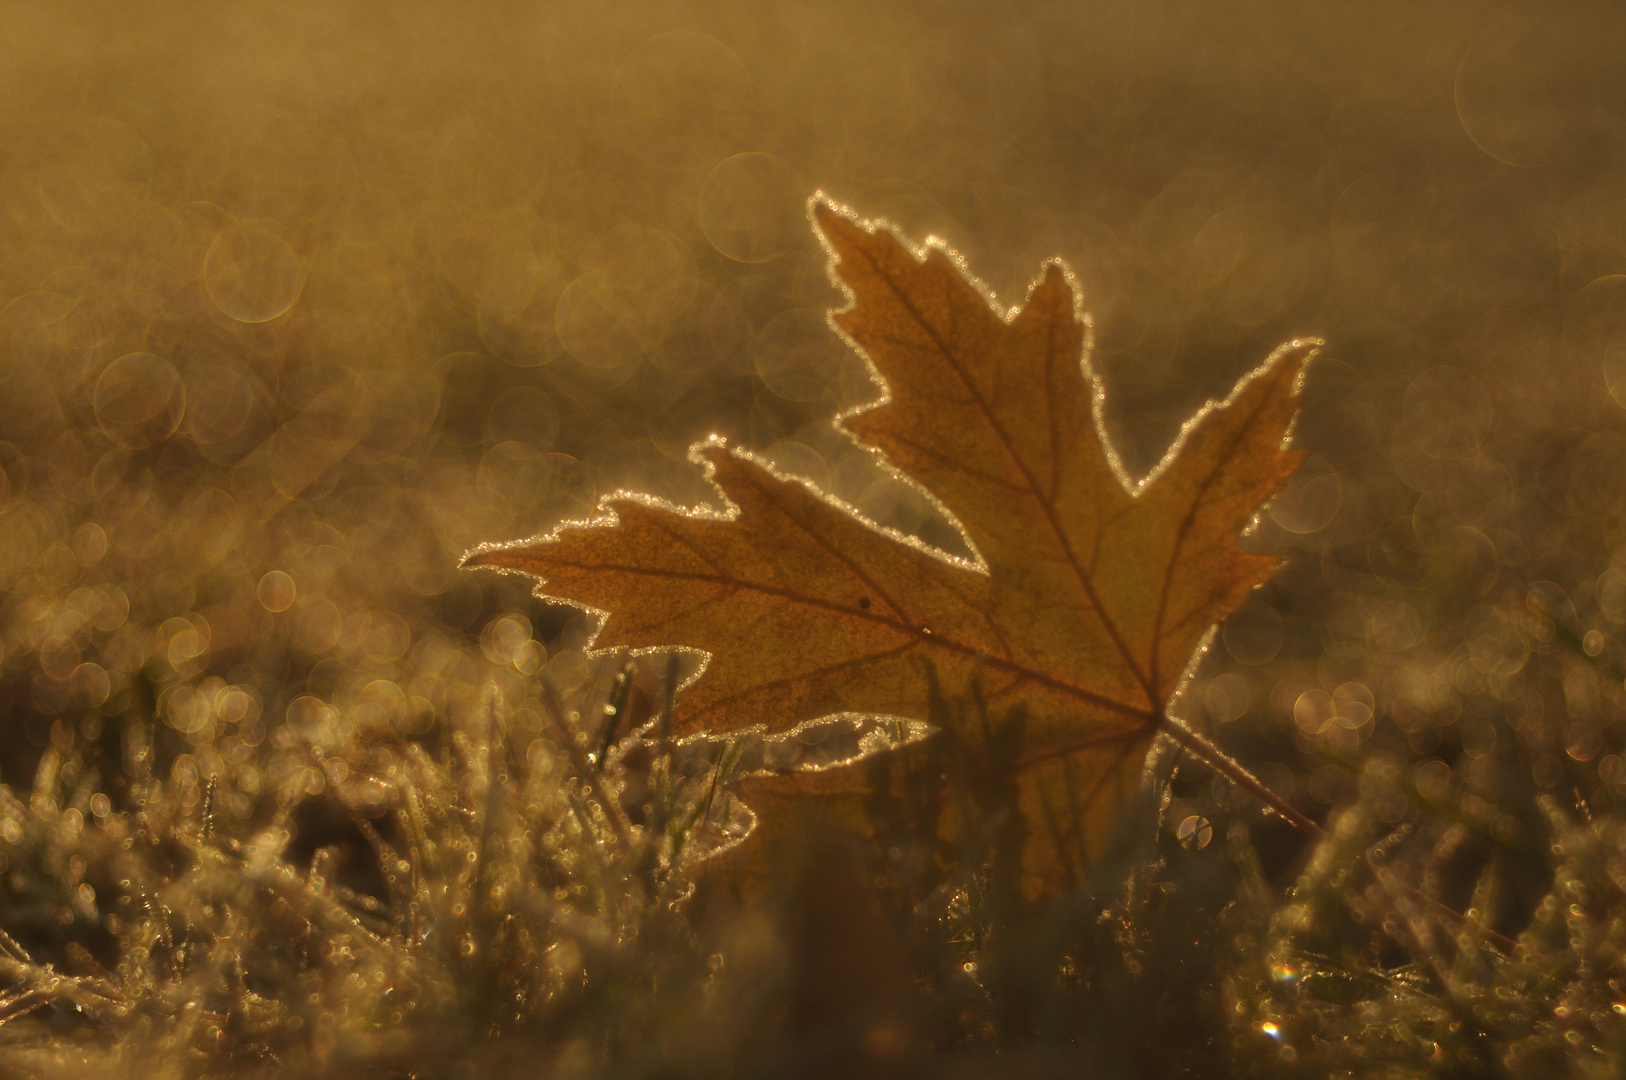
1086, 600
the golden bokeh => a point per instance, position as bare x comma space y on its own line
299, 302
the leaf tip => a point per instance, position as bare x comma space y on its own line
1285, 368
707, 452
1299, 351
482, 556
824, 210
834, 222
505, 558
1055, 288
502, 558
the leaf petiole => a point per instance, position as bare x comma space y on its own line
1221, 762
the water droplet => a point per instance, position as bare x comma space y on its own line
1195, 832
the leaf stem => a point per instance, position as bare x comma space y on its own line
1211, 755
1227, 766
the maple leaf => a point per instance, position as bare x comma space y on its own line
1082, 606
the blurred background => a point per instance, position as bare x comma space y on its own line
300, 301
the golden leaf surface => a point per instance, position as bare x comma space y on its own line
1086, 599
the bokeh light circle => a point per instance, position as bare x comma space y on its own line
751, 208
139, 400
1595, 330
523, 413
1525, 93
251, 271
99, 178
797, 355
1253, 635
594, 325
1310, 501
276, 591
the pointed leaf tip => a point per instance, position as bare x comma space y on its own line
825, 211
839, 226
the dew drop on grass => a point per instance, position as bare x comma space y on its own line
1195, 832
